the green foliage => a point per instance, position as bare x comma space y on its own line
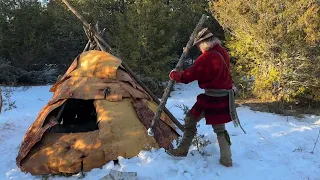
20, 39
148, 34
32, 35
276, 42
200, 141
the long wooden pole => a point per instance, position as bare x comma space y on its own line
86, 24
171, 82
127, 68
0, 100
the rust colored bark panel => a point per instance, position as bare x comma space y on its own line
163, 134
135, 93
96, 64
93, 64
36, 131
96, 88
88, 88
164, 117
65, 152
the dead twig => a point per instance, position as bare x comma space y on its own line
315, 144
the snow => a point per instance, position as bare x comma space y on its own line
275, 147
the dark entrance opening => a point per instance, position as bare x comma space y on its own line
77, 116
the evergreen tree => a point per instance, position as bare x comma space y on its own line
148, 35
276, 42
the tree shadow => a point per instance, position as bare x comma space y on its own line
296, 109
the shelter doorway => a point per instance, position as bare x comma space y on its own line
77, 116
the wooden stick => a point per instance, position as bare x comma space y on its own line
86, 31
171, 82
86, 48
100, 45
60, 111
104, 44
85, 23
0, 100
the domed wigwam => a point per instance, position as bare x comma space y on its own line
99, 111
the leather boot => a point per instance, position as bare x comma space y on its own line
224, 144
188, 134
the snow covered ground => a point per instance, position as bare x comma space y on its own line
274, 147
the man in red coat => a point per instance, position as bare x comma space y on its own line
211, 70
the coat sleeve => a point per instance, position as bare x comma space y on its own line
200, 71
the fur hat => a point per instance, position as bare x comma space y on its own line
202, 35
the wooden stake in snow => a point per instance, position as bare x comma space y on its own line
171, 82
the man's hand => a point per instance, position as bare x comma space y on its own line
172, 74
184, 49
175, 75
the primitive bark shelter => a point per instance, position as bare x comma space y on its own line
97, 113
99, 110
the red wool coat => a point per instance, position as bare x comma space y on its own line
210, 71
